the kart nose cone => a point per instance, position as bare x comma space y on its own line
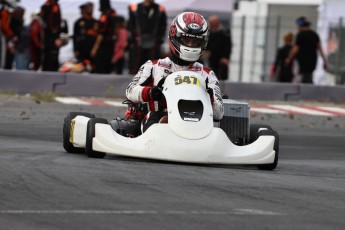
189, 108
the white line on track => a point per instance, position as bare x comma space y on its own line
145, 212
256, 212
266, 110
71, 100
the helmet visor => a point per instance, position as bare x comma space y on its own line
193, 41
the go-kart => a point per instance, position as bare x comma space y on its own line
190, 135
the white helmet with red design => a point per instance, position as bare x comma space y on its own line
188, 36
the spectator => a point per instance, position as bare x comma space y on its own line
305, 49
280, 71
103, 48
147, 26
121, 33
219, 48
85, 32
22, 55
6, 32
16, 25
36, 40
51, 16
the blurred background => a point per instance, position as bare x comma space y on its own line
257, 28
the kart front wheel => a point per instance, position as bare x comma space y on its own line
254, 131
68, 146
90, 134
266, 130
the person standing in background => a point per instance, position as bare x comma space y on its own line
16, 24
6, 33
102, 50
306, 47
219, 48
280, 71
51, 16
121, 32
36, 40
85, 32
22, 55
147, 26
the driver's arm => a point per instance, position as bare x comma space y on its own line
138, 89
218, 108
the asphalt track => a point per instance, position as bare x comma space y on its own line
42, 187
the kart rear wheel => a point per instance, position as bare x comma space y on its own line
90, 134
268, 131
68, 146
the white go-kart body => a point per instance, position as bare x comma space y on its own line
189, 136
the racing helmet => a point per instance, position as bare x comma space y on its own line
188, 36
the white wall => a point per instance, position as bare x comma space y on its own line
253, 41
330, 11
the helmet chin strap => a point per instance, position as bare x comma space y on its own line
178, 61
190, 54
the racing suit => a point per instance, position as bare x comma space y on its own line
153, 73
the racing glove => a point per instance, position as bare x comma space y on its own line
210, 92
156, 93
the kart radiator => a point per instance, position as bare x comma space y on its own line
235, 122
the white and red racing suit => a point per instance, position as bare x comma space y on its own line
151, 73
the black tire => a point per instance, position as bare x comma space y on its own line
254, 135
273, 165
67, 145
90, 134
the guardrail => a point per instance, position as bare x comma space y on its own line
110, 85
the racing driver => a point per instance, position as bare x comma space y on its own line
188, 37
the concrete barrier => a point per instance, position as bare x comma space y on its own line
260, 91
98, 85
24, 82
319, 93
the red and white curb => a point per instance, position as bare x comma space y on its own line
299, 109
258, 108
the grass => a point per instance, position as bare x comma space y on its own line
44, 96
110, 91
8, 92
